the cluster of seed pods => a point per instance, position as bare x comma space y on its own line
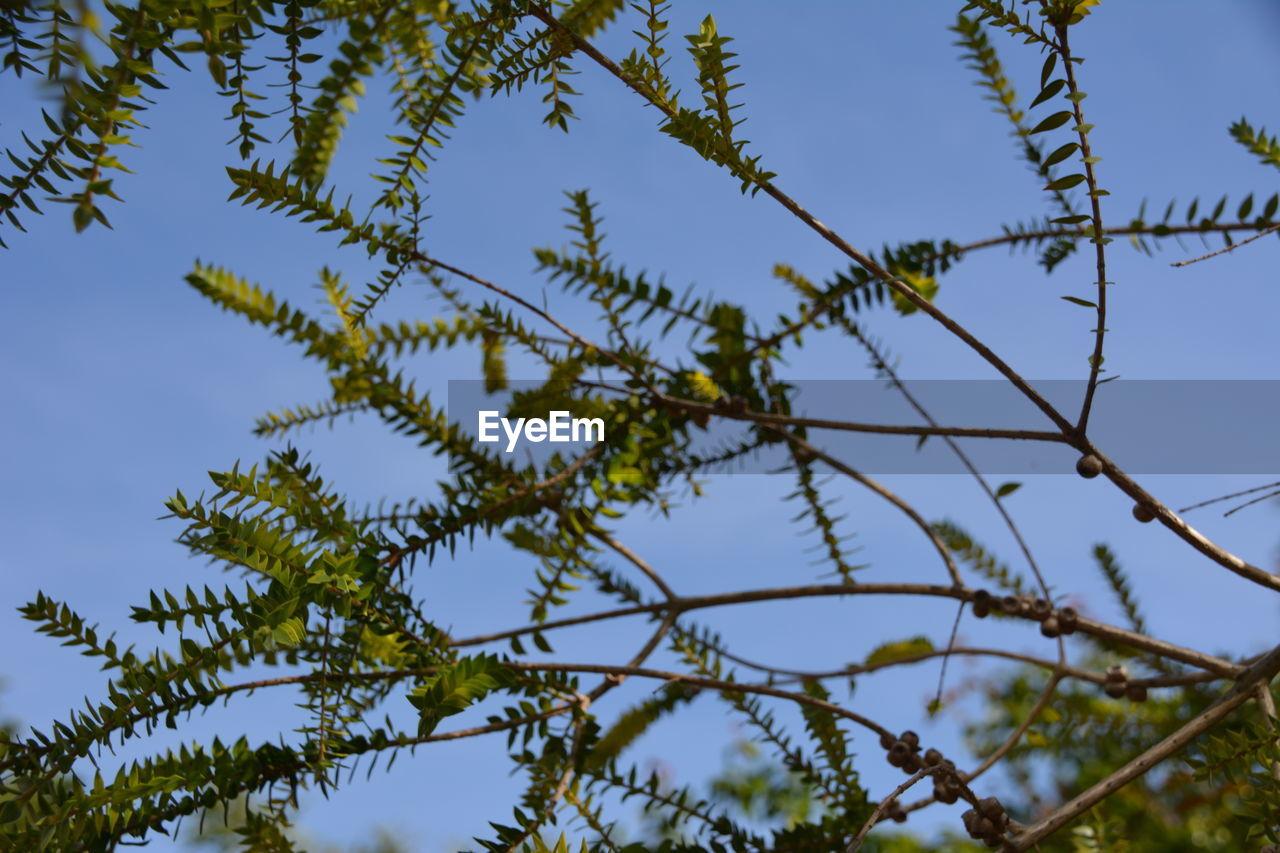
1053, 621
987, 822
904, 753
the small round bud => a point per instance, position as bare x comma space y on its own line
981, 610
1068, 619
1049, 627
1143, 513
982, 596
899, 753
1089, 466
991, 807
1117, 672
1136, 693
1114, 689
947, 794
886, 741
911, 739
1041, 608
932, 758
1010, 604
983, 827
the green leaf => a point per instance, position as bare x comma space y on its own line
1052, 122
899, 650
1066, 183
1046, 70
1061, 154
1078, 301
1007, 489
454, 688
1048, 92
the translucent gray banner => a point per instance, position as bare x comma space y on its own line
1146, 426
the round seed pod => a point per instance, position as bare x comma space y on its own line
991, 807
946, 794
1041, 609
1050, 628
899, 753
1136, 693
1068, 618
1024, 605
982, 597
1010, 604
911, 739
983, 827
1117, 672
932, 758
968, 819
804, 455
899, 816
886, 741
1114, 689
981, 611
1089, 466
914, 763
1143, 513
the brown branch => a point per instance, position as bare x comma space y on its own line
1099, 241
1157, 230
855, 426
708, 683
1184, 531
684, 604
1260, 673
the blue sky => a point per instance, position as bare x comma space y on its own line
125, 385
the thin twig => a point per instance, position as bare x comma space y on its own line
880, 808
1229, 497
1231, 248
1099, 241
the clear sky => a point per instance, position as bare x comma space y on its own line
125, 385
